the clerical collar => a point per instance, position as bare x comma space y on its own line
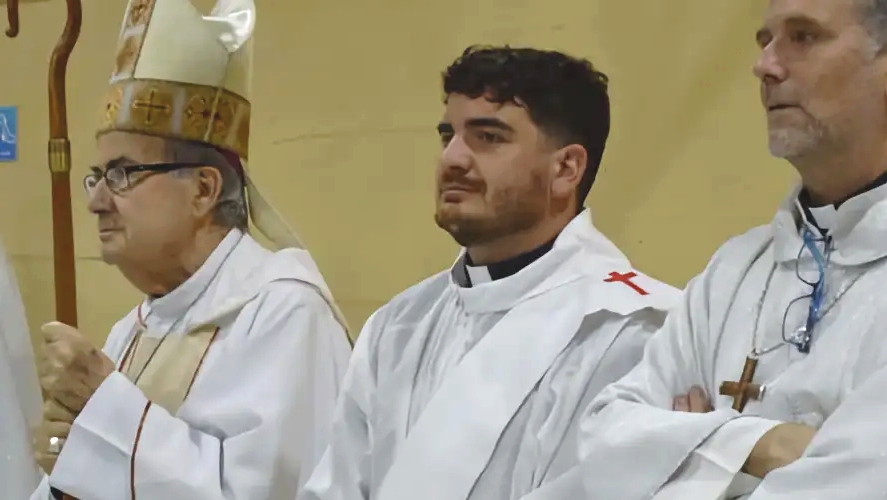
173, 305
475, 275
823, 217
857, 233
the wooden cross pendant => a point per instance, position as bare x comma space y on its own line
744, 390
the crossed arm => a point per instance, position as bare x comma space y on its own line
778, 447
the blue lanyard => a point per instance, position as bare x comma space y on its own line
816, 296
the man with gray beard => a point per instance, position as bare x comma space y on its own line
768, 381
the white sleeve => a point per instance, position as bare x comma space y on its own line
623, 354
846, 457
344, 472
19, 350
710, 471
272, 422
627, 350
633, 417
42, 492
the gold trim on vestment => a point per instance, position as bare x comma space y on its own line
165, 368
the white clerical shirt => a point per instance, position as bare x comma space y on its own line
249, 387
464, 387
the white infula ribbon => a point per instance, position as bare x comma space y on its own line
234, 22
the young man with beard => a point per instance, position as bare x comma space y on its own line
467, 385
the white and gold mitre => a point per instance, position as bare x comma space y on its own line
183, 75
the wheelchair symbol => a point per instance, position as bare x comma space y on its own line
6, 135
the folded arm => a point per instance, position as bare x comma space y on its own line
845, 459
268, 412
633, 418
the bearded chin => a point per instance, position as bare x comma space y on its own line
789, 143
786, 144
465, 230
471, 230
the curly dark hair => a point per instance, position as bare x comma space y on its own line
874, 19
564, 96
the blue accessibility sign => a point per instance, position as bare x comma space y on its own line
8, 133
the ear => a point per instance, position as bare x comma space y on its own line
882, 71
569, 166
208, 183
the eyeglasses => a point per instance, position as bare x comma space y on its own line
119, 177
803, 336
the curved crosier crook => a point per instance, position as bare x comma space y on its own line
59, 159
12, 16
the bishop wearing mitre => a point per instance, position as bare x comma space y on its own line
222, 382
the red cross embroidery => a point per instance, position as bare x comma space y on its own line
626, 279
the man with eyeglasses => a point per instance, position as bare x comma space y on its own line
222, 382
769, 380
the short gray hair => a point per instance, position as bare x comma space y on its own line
874, 20
230, 210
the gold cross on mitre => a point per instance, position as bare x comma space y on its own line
743, 390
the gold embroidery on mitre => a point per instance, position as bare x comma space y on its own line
152, 110
139, 13
213, 124
223, 119
241, 135
127, 54
138, 17
198, 111
113, 101
165, 368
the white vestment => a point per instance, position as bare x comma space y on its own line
634, 447
254, 419
459, 391
20, 397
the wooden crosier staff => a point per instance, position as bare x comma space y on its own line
59, 161
12, 15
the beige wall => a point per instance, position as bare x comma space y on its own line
345, 104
